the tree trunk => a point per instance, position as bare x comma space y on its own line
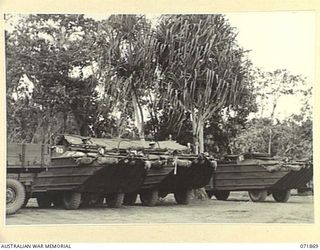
270, 141
195, 138
65, 118
201, 136
198, 141
270, 130
198, 135
138, 115
84, 129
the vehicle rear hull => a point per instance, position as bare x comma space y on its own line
195, 176
258, 175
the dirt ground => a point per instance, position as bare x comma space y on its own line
238, 209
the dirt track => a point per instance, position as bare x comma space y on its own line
238, 209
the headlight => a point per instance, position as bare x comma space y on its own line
101, 151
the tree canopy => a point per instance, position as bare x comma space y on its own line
203, 66
184, 77
49, 53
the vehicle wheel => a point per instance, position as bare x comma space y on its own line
115, 200
209, 193
130, 199
258, 195
15, 196
222, 195
183, 196
281, 195
44, 201
149, 197
71, 200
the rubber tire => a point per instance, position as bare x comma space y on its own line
222, 195
20, 196
258, 195
44, 201
71, 200
130, 199
183, 197
209, 193
115, 200
281, 195
149, 197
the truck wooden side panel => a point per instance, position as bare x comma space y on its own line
27, 155
25, 161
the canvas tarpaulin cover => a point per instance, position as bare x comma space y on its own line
115, 143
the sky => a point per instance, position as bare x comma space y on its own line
279, 40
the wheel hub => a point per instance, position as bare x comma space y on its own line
10, 195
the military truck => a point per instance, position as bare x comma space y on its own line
260, 175
24, 162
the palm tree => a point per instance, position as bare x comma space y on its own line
130, 56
